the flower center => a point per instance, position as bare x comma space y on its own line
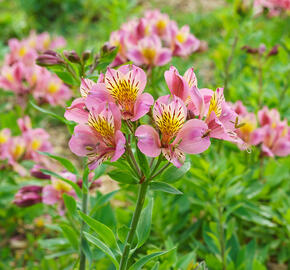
22, 51
125, 93
35, 144
61, 186
103, 127
181, 37
52, 88
18, 151
169, 122
149, 54
216, 104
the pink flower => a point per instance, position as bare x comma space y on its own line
52, 194
11, 78
276, 140
5, 135
268, 117
100, 139
177, 135
186, 89
125, 88
221, 119
149, 51
182, 42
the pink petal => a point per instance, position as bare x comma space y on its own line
77, 112
282, 147
120, 145
196, 102
164, 56
174, 155
135, 55
190, 138
176, 83
50, 195
148, 141
83, 137
142, 106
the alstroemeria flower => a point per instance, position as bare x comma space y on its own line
150, 52
185, 87
183, 42
125, 88
268, 117
276, 140
100, 139
52, 194
221, 119
177, 135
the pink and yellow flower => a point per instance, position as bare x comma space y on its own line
100, 139
149, 51
124, 87
174, 135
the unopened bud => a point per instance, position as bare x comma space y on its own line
49, 58
28, 195
274, 50
250, 50
86, 55
72, 56
262, 49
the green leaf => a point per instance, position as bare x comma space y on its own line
161, 186
86, 249
102, 246
140, 263
122, 233
122, 177
104, 232
70, 204
64, 162
144, 225
66, 77
103, 199
58, 117
143, 162
71, 235
74, 185
173, 174
156, 266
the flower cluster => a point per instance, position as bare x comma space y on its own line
274, 7
21, 75
152, 40
181, 122
272, 134
14, 149
52, 193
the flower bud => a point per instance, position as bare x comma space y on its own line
86, 55
36, 172
28, 195
72, 56
49, 58
262, 49
273, 51
250, 50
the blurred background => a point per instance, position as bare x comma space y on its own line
258, 212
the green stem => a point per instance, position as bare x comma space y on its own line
156, 166
160, 171
83, 225
221, 234
260, 78
131, 155
227, 66
140, 203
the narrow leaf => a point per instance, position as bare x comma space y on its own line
64, 162
161, 186
71, 235
102, 246
104, 232
122, 177
144, 225
146, 259
70, 204
173, 174
143, 162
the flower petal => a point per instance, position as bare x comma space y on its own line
142, 106
148, 141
